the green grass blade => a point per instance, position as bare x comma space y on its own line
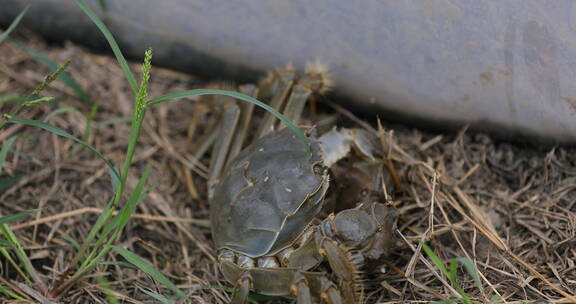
80, 256
60, 132
4, 151
452, 276
72, 241
100, 222
12, 217
495, 298
135, 198
14, 24
22, 257
104, 285
471, 269
144, 266
156, 296
199, 92
5, 290
113, 121
89, 119
60, 111
453, 271
435, 259
38, 101
103, 5
117, 223
49, 79
137, 120
453, 300
7, 182
115, 48
114, 180
15, 98
8, 257
118, 263
65, 77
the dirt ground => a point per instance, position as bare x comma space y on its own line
508, 208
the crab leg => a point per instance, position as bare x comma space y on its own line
246, 115
227, 127
279, 90
242, 288
221, 137
315, 80
206, 144
295, 104
330, 292
280, 281
311, 82
301, 290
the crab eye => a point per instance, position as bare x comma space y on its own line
318, 169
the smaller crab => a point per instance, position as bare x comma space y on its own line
264, 200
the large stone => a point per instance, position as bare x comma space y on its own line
507, 66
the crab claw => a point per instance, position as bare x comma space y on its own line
337, 144
387, 218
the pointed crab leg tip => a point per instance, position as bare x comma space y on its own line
243, 287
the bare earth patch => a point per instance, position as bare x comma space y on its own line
510, 209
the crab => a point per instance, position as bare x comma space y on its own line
264, 200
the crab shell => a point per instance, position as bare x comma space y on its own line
269, 194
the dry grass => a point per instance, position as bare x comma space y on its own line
507, 208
